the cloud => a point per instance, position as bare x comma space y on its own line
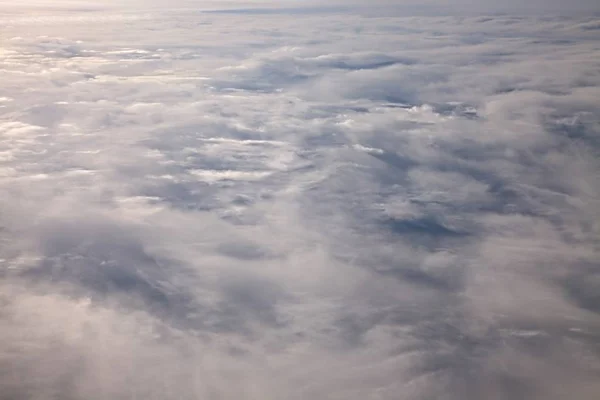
323, 204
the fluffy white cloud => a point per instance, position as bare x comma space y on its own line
329, 205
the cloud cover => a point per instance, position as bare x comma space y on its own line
296, 205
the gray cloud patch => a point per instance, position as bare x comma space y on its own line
298, 203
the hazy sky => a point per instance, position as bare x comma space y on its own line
408, 6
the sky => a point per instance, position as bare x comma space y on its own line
218, 201
536, 7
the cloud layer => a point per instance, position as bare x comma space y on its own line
216, 205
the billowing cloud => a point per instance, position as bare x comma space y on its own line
323, 204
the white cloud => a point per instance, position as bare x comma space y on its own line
298, 205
